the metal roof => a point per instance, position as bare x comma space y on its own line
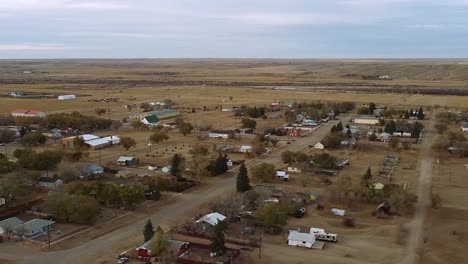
10, 222
211, 219
34, 225
297, 236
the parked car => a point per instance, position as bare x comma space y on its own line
122, 260
300, 212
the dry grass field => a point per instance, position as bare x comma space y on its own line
228, 83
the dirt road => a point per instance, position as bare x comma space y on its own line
416, 238
105, 245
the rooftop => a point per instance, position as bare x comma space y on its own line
35, 224
366, 117
47, 179
124, 158
152, 119
297, 236
211, 219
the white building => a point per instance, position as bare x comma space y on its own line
367, 120
67, 97
283, 175
298, 239
224, 134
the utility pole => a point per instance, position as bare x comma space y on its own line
48, 233
260, 246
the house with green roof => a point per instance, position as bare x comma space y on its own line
151, 120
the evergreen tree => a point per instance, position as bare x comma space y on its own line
217, 243
243, 181
349, 134
148, 232
407, 115
176, 161
339, 127
372, 107
390, 127
420, 114
333, 129
366, 178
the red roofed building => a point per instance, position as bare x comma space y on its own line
28, 113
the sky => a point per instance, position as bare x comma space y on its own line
233, 29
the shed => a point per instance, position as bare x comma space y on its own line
299, 239
127, 161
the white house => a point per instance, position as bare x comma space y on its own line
464, 126
299, 239
67, 97
319, 146
283, 175
126, 161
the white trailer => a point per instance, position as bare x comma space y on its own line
321, 234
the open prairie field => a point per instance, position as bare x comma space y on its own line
194, 83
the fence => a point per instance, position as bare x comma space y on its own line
16, 210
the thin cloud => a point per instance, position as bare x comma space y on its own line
60, 4
33, 47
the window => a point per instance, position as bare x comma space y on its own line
303, 242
